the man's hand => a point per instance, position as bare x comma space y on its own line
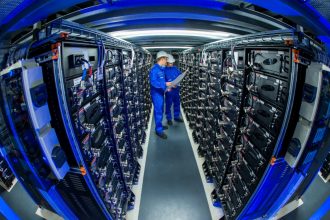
168, 84
175, 86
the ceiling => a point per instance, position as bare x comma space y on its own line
204, 17
172, 23
8, 6
322, 6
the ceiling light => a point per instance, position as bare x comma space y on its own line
167, 47
189, 33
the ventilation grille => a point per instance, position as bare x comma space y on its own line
75, 192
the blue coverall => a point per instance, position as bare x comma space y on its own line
173, 96
157, 89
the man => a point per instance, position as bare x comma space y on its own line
157, 90
172, 96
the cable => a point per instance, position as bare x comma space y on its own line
104, 53
28, 49
84, 74
110, 57
90, 71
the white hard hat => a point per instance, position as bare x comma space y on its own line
170, 59
161, 54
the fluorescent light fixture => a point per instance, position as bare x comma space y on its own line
167, 47
193, 33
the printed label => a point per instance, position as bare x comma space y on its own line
76, 81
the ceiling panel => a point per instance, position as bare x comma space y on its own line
224, 16
323, 6
7, 7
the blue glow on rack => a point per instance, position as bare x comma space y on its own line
268, 190
324, 209
19, 179
285, 194
58, 204
41, 183
6, 211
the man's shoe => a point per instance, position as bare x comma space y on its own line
161, 135
165, 127
178, 120
169, 122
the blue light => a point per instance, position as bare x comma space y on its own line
324, 209
264, 198
6, 211
54, 198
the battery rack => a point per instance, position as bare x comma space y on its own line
29, 143
254, 142
144, 64
238, 99
99, 111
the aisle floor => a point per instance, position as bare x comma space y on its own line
172, 186
313, 198
21, 203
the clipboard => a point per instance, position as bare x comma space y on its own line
177, 80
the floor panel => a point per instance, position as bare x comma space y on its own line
172, 187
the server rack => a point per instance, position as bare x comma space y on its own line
29, 144
257, 119
90, 84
